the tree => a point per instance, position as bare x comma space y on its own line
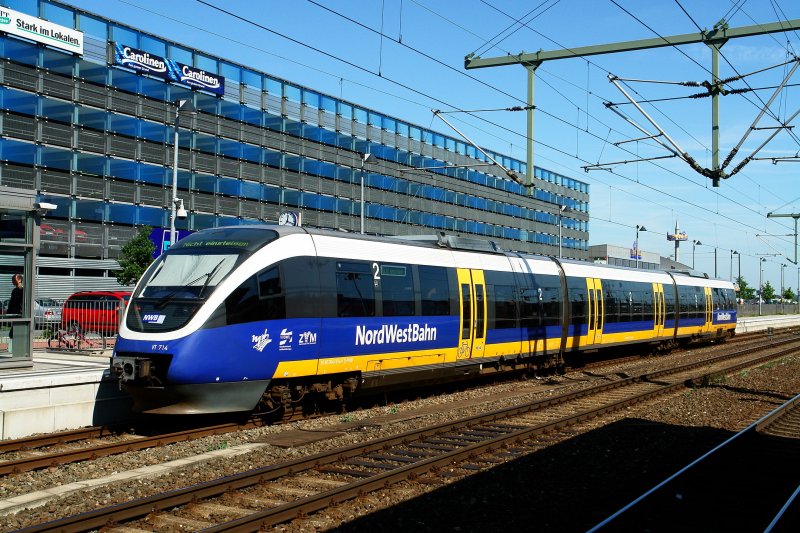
135, 257
767, 292
746, 292
788, 294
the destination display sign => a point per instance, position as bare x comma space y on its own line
168, 69
41, 31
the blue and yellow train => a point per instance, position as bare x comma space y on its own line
268, 317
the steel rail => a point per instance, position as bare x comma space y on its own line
104, 450
159, 502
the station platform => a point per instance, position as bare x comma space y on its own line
65, 391
61, 391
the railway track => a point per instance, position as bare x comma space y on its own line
32, 460
271, 495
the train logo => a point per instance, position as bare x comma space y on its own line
153, 319
286, 340
261, 341
307, 337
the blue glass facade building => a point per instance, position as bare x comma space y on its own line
96, 139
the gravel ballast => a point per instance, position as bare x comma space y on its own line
579, 479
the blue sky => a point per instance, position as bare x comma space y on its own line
418, 65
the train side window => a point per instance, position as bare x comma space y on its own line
530, 309
550, 299
397, 290
501, 304
647, 305
273, 302
434, 290
669, 303
577, 300
355, 292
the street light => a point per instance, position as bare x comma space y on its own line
733, 252
760, 283
176, 208
561, 210
638, 229
694, 245
365, 158
782, 267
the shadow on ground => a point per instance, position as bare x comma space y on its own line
570, 486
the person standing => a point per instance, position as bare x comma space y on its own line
14, 304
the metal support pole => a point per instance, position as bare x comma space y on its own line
531, 68
715, 113
715, 261
174, 202
760, 283
559, 234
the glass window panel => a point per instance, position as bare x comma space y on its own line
230, 148
271, 158
21, 51
290, 197
124, 35
251, 153
345, 110
90, 210
251, 78
180, 54
122, 213
59, 14
30, 7
204, 182
311, 99
152, 131
18, 101
91, 164
252, 115
152, 216
120, 168
327, 137
57, 110
344, 141
92, 26
93, 72
206, 63
292, 92
229, 186
231, 109
271, 194
17, 152
207, 103
327, 103
151, 174
122, 124
56, 158
230, 72
58, 61
154, 45
360, 115
127, 81
273, 86
251, 190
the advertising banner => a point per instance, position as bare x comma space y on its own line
168, 69
41, 31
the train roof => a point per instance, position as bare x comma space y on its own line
442, 240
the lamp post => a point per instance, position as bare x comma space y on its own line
760, 283
365, 158
561, 210
176, 207
782, 267
636, 252
733, 252
694, 245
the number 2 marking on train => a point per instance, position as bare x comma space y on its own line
376, 272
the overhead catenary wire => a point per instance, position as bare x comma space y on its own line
411, 89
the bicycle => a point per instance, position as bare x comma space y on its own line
71, 338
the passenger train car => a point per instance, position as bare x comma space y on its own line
269, 317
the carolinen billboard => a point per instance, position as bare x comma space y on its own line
168, 69
41, 31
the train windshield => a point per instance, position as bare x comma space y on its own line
177, 284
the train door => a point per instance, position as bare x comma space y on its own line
595, 311
472, 296
709, 309
659, 308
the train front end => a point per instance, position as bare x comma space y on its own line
170, 355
